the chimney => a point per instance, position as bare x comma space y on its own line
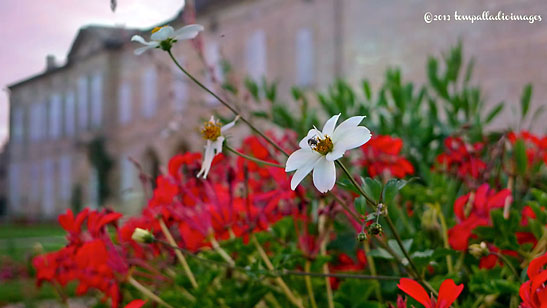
50, 62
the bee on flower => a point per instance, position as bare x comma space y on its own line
164, 37
212, 132
319, 149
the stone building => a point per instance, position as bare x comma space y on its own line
143, 108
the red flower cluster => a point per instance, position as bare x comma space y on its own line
381, 155
347, 264
473, 210
534, 292
448, 293
462, 159
91, 258
536, 147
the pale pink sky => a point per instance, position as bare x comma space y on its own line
31, 29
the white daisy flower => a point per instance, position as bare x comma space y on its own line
318, 151
164, 37
212, 132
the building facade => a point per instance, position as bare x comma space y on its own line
144, 109
107, 103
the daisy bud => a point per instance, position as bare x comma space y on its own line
362, 236
478, 250
375, 228
142, 236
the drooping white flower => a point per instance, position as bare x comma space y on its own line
212, 131
319, 149
164, 37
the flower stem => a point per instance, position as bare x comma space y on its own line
144, 290
292, 298
445, 238
251, 158
179, 255
372, 267
309, 286
323, 229
223, 102
222, 252
508, 263
354, 182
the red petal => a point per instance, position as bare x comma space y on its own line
416, 291
448, 292
138, 303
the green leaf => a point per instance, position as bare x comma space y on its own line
494, 112
525, 100
360, 205
366, 89
521, 160
373, 188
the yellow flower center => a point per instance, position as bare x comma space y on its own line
156, 29
322, 146
211, 130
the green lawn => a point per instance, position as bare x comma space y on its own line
17, 243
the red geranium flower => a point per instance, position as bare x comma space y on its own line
534, 292
381, 156
462, 159
473, 210
448, 293
536, 147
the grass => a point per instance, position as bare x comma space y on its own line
18, 243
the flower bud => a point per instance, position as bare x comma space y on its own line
375, 229
430, 220
478, 250
142, 236
362, 236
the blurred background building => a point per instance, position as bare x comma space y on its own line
74, 126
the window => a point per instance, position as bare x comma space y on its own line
65, 180
37, 121
14, 183
124, 103
17, 124
70, 110
149, 92
179, 88
127, 176
96, 99
48, 199
93, 190
55, 116
213, 74
82, 103
34, 182
255, 54
304, 57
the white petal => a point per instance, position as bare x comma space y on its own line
352, 138
328, 129
139, 51
304, 142
324, 175
187, 32
301, 173
207, 160
163, 34
299, 158
228, 126
140, 39
217, 145
347, 124
335, 154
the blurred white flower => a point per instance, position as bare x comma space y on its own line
164, 37
318, 151
212, 132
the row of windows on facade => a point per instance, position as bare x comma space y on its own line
51, 183
46, 119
